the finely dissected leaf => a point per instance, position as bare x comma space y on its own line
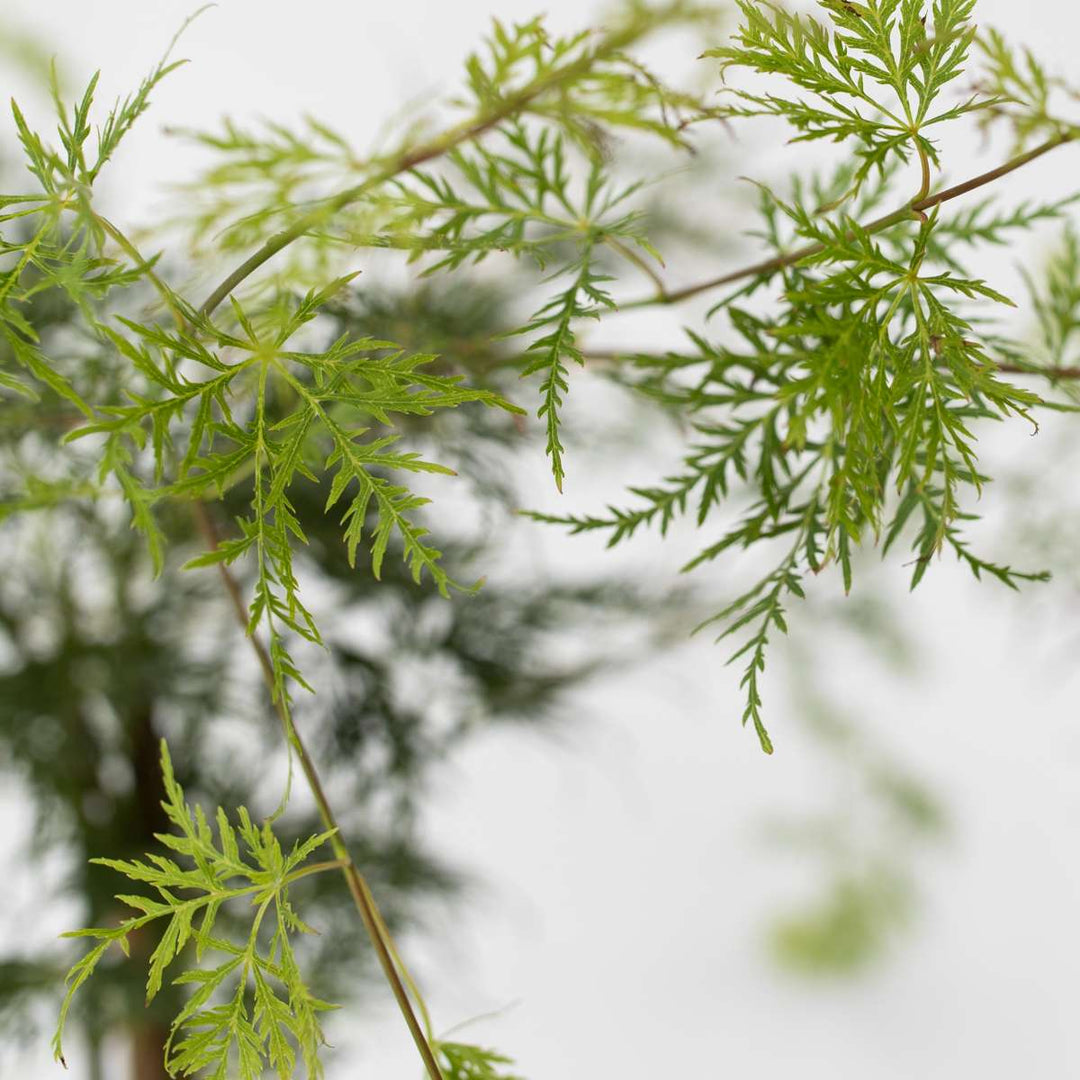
464, 1061
875, 69
250, 402
869, 378
528, 84
556, 344
269, 1011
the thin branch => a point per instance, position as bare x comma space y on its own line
437, 147
374, 924
632, 256
1054, 374
144, 264
779, 262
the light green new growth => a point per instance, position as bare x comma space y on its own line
461, 1061
837, 406
253, 1006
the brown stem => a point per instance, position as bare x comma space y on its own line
467, 131
1054, 374
374, 925
924, 161
358, 887
437, 147
149, 1034
770, 266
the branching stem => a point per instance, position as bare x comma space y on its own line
465, 132
778, 262
1054, 374
385, 950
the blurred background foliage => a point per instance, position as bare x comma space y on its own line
874, 821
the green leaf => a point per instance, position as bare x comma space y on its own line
255, 1021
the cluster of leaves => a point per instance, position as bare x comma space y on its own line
587, 85
463, 1061
325, 403
261, 177
523, 196
270, 1013
57, 241
197, 408
1022, 92
1042, 497
541, 111
54, 237
846, 406
876, 71
523, 200
213, 403
600, 88
1055, 300
517, 194
86, 633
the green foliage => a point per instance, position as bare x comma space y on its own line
254, 1005
329, 400
1056, 304
601, 87
557, 343
868, 382
847, 407
56, 241
837, 406
846, 928
586, 87
887, 44
201, 393
87, 632
520, 200
544, 105
460, 1061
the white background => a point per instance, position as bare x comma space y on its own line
623, 893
